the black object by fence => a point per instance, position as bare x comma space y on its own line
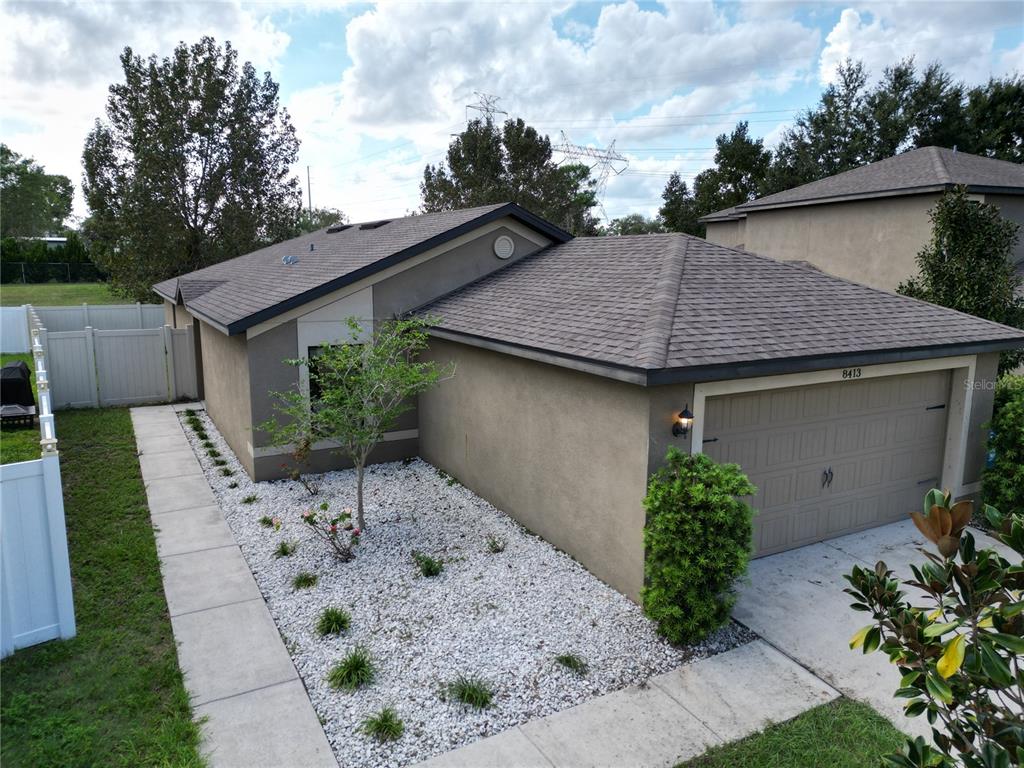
49, 272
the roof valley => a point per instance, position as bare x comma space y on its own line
652, 351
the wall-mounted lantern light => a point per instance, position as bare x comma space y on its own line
683, 422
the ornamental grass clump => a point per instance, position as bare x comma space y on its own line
383, 726
573, 663
352, 672
304, 579
961, 657
698, 540
333, 621
428, 565
471, 691
334, 530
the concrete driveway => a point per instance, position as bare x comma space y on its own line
795, 601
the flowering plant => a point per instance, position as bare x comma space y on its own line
335, 530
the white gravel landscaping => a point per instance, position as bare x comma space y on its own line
501, 616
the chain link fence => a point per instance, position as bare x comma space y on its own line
49, 272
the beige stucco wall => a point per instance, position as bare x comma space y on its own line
982, 399
562, 452
872, 242
1012, 207
728, 233
226, 387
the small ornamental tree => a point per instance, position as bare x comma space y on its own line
698, 540
961, 656
968, 265
357, 392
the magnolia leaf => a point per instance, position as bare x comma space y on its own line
953, 657
938, 688
858, 639
935, 630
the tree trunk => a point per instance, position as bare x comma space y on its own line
360, 520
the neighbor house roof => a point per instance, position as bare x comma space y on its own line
241, 292
660, 308
928, 169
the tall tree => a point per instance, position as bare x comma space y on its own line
968, 264
635, 224
490, 163
33, 202
741, 164
679, 211
191, 166
318, 218
995, 115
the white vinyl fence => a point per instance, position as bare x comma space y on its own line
14, 321
35, 593
90, 368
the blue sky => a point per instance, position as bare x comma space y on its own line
376, 90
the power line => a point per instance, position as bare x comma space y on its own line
487, 105
601, 161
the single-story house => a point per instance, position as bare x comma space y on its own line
869, 224
575, 358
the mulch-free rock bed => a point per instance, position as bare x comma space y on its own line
502, 617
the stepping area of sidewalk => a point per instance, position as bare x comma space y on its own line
677, 716
237, 671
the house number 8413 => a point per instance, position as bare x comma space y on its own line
851, 373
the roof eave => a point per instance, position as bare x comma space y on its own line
753, 206
733, 370
510, 209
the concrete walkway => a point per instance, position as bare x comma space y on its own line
237, 670
795, 601
675, 717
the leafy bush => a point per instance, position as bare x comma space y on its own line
573, 663
428, 565
698, 540
352, 672
333, 621
335, 530
1003, 482
304, 579
960, 658
471, 691
386, 725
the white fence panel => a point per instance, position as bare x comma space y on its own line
72, 369
104, 317
132, 367
14, 329
35, 596
184, 363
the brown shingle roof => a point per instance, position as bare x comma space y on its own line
656, 302
919, 170
248, 289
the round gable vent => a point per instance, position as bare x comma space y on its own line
504, 246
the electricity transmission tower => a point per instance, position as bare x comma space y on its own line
602, 163
487, 105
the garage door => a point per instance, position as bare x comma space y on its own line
831, 459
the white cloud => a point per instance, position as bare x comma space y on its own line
58, 59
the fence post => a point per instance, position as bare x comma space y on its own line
138, 314
172, 387
93, 365
85, 311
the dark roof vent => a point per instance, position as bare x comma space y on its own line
375, 224
289, 260
339, 227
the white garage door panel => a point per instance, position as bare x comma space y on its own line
882, 439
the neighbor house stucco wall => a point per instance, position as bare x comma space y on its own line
873, 242
1012, 207
226, 389
986, 370
562, 452
728, 233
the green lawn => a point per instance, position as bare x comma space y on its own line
113, 695
843, 734
19, 443
57, 294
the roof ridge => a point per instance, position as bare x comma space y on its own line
652, 351
940, 165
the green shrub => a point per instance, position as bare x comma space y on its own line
352, 672
495, 544
213, 453
333, 621
386, 725
698, 540
428, 565
573, 663
284, 548
252, 498
227, 471
267, 521
471, 691
304, 579
1003, 482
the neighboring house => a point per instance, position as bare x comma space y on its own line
575, 357
869, 224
